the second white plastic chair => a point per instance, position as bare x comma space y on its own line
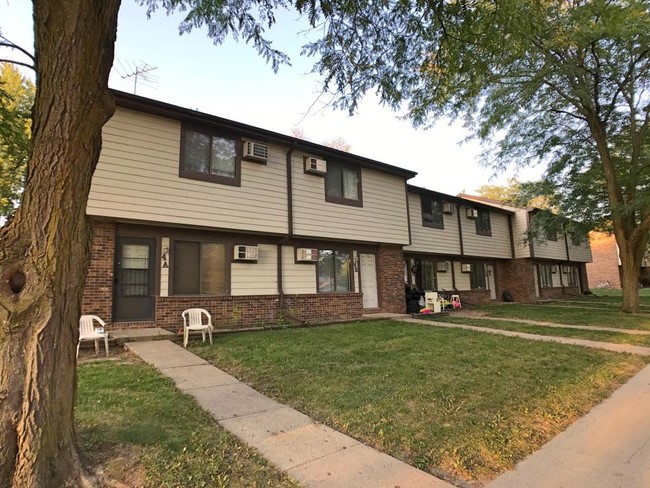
193, 320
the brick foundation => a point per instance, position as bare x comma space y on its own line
390, 278
557, 292
474, 297
98, 290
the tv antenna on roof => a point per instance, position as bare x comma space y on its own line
138, 72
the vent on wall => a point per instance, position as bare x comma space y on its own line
245, 253
466, 268
306, 255
442, 266
315, 166
472, 213
256, 151
448, 208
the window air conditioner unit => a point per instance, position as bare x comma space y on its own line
315, 166
306, 255
553, 269
466, 268
472, 213
566, 269
442, 266
448, 208
255, 150
246, 253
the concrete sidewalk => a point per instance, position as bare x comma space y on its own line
624, 348
309, 452
608, 448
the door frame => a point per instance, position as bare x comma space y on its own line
376, 280
153, 243
492, 282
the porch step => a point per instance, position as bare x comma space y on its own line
138, 335
381, 315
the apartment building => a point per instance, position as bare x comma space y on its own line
259, 228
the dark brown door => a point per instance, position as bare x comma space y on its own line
134, 279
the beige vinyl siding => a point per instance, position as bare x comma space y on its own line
580, 253
428, 239
258, 278
462, 279
137, 179
445, 280
551, 249
382, 218
299, 278
495, 246
519, 228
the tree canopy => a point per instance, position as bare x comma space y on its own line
562, 83
16, 100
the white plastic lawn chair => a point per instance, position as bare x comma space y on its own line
88, 332
193, 320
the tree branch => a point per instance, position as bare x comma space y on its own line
30, 66
7, 43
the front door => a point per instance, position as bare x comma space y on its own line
134, 279
490, 275
369, 280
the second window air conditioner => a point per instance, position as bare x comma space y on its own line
472, 213
255, 150
306, 255
466, 268
315, 166
245, 253
448, 208
442, 266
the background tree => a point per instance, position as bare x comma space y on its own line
16, 100
563, 83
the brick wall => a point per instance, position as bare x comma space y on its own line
516, 276
234, 312
604, 267
557, 292
390, 278
98, 290
474, 297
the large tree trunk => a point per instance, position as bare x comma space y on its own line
631, 254
44, 250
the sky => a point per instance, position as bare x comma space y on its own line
232, 81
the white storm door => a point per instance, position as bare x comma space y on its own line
368, 280
490, 272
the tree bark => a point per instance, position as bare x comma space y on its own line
44, 250
631, 256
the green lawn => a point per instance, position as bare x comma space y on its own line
593, 335
568, 315
615, 295
459, 404
142, 432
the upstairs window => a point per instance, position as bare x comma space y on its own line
483, 227
432, 215
210, 157
343, 184
551, 235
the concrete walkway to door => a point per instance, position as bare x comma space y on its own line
309, 452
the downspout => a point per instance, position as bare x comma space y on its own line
512, 238
287, 238
462, 249
568, 258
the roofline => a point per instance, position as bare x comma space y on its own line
162, 109
457, 199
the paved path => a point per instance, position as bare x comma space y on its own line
313, 454
642, 351
608, 448
553, 324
